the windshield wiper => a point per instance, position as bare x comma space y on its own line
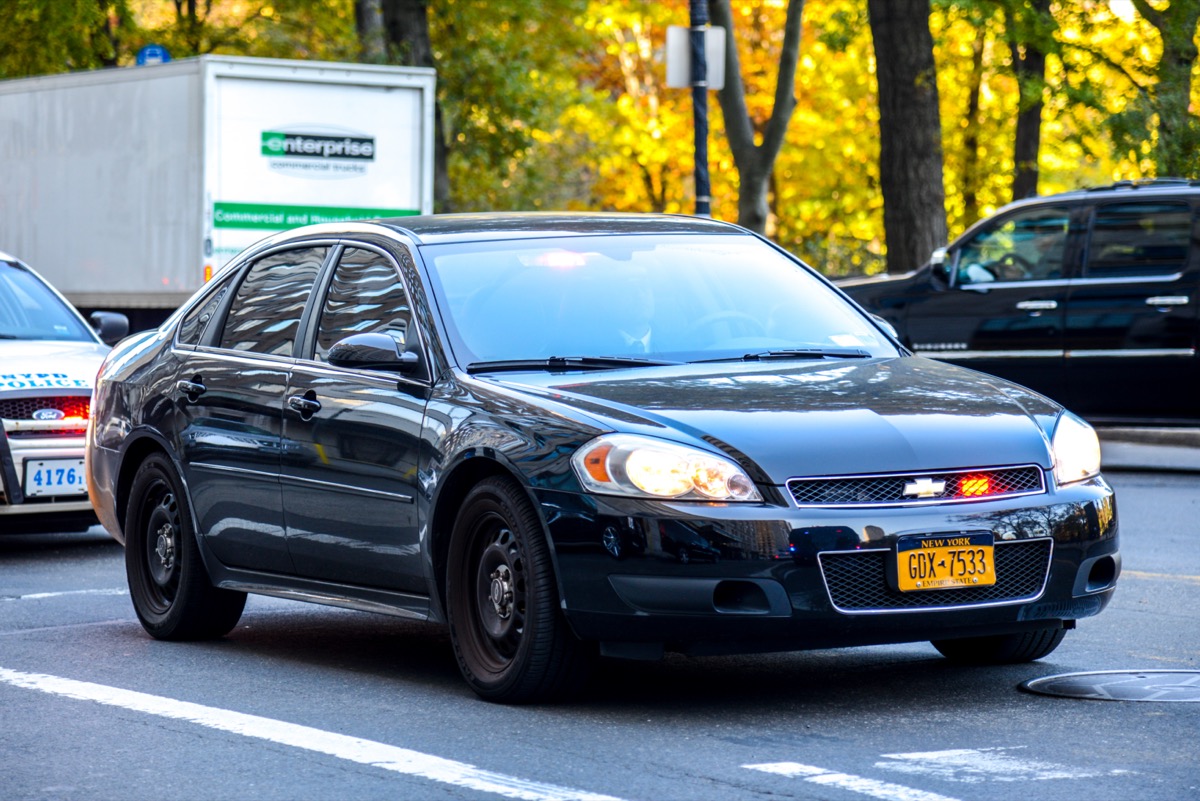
566, 363
795, 353
8, 336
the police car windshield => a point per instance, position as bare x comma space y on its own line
30, 310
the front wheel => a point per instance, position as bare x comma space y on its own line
510, 639
170, 588
1001, 649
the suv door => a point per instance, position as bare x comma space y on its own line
1003, 312
229, 392
351, 437
1132, 322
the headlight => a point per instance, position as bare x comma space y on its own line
644, 467
1076, 450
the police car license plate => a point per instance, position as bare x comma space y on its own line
46, 477
945, 562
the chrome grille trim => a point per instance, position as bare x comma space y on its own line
886, 489
1022, 571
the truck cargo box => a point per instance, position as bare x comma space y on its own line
127, 188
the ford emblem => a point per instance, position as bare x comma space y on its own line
49, 414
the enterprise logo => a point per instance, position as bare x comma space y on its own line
276, 144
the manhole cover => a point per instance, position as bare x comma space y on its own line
1121, 685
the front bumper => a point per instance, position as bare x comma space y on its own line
23, 442
714, 578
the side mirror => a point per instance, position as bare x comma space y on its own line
372, 352
111, 326
886, 326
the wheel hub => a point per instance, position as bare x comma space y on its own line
501, 592
165, 546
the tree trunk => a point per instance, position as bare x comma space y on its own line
972, 179
1029, 64
910, 133
755, 162
406, 27
368, 19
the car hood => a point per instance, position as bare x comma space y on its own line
820, 418
48, 364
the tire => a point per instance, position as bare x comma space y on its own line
510, 639
172, 594
1001, 649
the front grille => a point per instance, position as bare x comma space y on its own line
857, 580
958, 486
23, 408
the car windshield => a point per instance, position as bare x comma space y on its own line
29, 310
653, 299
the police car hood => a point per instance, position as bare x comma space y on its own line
48, 365
823, 418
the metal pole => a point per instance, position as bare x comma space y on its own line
699, 20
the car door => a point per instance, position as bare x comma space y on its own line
1132, 317
229, 392
1003, 312
351, 437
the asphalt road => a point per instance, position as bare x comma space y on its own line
307, 702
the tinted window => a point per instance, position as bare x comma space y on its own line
365, 296
29, 310
266, 311
1027, 246
1139, 239
191, 330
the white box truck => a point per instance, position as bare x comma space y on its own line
128, 188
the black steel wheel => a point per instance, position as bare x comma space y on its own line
510, 639
1001, 649
170, 588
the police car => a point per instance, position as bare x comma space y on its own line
48, 359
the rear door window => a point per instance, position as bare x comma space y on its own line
265, 313
1134, 239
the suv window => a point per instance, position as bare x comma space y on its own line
365, 296
266, 310
1130, 239
1026, 246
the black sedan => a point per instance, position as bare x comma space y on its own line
571, 436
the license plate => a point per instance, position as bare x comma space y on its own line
47, 477
945, 562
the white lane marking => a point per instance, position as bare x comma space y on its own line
885, 791
972, 765
353, 749
35, 596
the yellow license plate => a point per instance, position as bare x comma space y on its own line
945, 562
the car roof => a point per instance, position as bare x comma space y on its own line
1121, 190
493, 226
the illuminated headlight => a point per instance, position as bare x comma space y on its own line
1076, 450
644, 467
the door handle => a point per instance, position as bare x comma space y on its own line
1167, 300
1038, 305
306, 406
192, 390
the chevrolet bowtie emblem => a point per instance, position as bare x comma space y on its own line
925, 488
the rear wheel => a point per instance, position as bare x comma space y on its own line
510, 639
170, 588
1001, 649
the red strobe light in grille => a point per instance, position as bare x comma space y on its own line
975, 485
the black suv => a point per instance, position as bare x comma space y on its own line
1087, 296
